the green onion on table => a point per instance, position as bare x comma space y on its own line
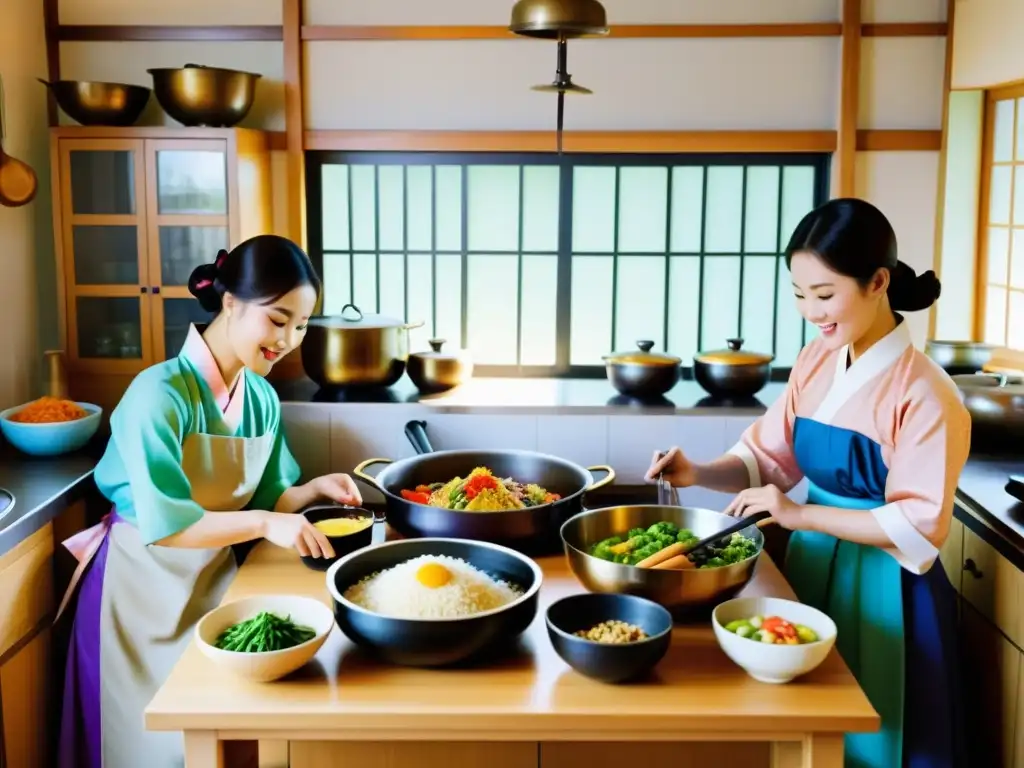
262, 633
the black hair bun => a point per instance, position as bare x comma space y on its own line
204, 285
910, 292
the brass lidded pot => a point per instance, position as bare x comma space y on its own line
732, 372
436, 371
356, 350
642, 373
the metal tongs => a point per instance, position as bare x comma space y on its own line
667, 495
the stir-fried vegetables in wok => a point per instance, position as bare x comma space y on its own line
480, 491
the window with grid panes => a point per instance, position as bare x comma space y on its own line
541, 264
1002, 282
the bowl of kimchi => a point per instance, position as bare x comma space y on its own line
50, 426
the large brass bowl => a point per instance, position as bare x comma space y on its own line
680, 591
195, 95
96, 103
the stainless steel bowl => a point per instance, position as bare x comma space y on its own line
676, 590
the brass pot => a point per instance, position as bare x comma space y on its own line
196, 95
996, 404
436, 371
361, 350
959, 357
732, 372
94, 103
643, 374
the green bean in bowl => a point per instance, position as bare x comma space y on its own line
264, 637
263, 633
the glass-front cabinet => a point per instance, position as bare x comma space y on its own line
137, 210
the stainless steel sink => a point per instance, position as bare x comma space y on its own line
6, 502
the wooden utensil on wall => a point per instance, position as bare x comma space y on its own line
18, 182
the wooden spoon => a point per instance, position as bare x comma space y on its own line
18, 182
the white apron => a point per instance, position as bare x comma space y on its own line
154, 595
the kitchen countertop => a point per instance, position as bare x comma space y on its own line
697, 693
535, 396
42, 488
986, 508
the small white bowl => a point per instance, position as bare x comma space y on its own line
770, 663
270, 665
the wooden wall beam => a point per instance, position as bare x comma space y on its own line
242, 33
574, 141
294, 120
610, 141
121, 33
482, 32
869, 140
940, 196
845, 162
51, 23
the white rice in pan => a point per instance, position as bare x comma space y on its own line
431, 587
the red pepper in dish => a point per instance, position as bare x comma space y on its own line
477, 483
417, 496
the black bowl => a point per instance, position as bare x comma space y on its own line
604, 661
435, 642
343, 545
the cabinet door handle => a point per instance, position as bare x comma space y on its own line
156, 289
972, 568
143, 289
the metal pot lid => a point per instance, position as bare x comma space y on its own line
435, 353
734, 355
352, 317
644, 356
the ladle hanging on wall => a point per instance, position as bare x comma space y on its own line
559, 20
18, 182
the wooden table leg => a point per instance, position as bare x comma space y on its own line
203, 750
823, 750
817, 750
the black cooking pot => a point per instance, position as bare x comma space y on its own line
533, 529
732, 372
435, 642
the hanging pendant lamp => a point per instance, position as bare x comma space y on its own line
559, 20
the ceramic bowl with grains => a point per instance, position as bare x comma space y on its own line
608, 637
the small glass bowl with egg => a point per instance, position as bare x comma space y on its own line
347, 528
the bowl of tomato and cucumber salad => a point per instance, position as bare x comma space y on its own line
773, 639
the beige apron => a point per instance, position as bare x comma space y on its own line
154, 595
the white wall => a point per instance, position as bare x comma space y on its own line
987, 43
26, 233
960, 215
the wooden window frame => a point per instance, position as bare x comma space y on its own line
992, 97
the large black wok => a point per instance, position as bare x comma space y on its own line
533, 530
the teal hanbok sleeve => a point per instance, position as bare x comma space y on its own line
282, 473
148, 428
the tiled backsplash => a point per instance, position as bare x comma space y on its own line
336, 437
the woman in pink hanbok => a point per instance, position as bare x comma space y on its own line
881, 435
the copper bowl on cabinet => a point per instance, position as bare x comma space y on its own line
196, 95
96, 103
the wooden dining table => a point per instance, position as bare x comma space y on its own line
527, 710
